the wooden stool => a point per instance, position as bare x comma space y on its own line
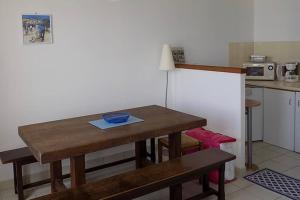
19, 158
187, 144
249, 104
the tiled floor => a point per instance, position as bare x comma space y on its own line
265, 155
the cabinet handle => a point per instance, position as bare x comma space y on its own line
299, 103
290, 102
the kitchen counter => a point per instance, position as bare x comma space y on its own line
280, 85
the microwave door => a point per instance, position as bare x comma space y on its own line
255, 71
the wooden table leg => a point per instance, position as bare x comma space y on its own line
159, 151
56, 177
153, 152
77, 165
221, 186
140, 153
175, 152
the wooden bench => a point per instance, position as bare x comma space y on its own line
153, 178
23, 156
19, 158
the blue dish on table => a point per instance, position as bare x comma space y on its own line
117, 117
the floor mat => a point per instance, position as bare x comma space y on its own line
276, 182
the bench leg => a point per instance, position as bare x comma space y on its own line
175, 152
19, 180
15, 178
221, 187
152, 145
205, 183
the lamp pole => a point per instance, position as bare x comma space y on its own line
167, 86
167, 64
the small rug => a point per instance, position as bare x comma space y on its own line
276, 182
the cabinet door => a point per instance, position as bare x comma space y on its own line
297, 123
279, 118
257, 112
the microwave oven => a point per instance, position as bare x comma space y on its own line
260, 71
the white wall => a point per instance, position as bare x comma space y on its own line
277, 20
218, 97
105, 55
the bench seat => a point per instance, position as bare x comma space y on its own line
153, 178
16, 155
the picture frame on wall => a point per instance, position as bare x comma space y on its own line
37, 29
178, 55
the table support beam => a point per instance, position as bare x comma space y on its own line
175, 152
140, 153
77, 165
57, 184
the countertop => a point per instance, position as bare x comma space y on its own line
281, 85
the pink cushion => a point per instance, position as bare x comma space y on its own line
210, 140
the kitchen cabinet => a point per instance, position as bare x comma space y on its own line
256, 93
297, 123
279, 118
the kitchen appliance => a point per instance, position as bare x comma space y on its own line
258, 58
280, 72
260, 71
291, 74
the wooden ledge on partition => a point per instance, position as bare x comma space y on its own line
235, 70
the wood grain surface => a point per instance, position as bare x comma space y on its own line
235, 70
152, 178
57, 140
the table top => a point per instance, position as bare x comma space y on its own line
57, 140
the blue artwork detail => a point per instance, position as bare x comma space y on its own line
37, 29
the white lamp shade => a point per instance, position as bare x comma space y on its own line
166, 61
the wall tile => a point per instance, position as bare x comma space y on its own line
239, 53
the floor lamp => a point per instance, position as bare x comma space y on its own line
167, 64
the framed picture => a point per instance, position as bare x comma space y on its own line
37, 29
178, 55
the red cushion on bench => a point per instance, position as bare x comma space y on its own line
208, 138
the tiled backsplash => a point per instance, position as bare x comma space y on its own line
239, 52
279, 52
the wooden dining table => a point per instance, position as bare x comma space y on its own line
51, 142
